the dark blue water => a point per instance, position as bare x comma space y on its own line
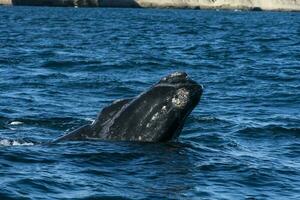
60, 66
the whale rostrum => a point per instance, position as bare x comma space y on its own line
156, 115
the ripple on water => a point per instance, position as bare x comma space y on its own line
60, 66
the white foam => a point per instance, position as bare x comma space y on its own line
15, 123
90, 119
6, 142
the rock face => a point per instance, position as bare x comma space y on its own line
292, 5
119, 3
79, 3
5, 2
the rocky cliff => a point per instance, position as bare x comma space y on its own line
293, 5
5, 2
225, 4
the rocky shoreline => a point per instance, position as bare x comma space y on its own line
276, 5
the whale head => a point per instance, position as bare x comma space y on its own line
158, 115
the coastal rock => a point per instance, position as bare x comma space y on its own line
288, 5
281, 5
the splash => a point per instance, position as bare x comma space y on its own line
10, 142
15, 123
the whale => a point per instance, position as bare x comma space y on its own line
156, 115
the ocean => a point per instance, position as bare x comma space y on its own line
60, 66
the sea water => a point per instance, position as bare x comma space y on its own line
60, 66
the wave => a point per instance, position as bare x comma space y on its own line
205, 119
61, 123
270, 131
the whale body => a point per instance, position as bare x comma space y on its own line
156, 115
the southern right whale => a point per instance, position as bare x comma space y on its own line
156, 115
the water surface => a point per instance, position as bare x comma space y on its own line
60, 66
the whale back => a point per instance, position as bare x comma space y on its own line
109, 111
93, 131
150, 117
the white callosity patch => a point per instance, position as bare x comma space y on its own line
181, 98
175, 74
157, 115
164, 109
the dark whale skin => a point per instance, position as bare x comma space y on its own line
157, 115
